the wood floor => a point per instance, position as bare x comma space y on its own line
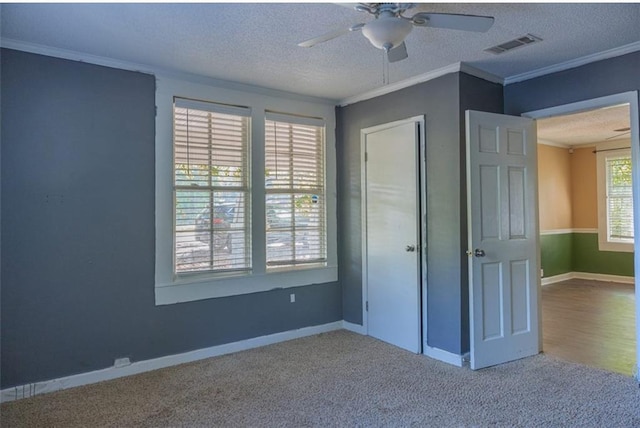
590, 322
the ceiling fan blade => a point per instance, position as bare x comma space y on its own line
329, 36
398, 53
618, 135
324, 38
347, 5
360, 7
453, 21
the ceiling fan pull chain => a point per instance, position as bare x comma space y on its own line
385, 68
383, 75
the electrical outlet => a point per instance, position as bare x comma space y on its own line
292, 297
121, 362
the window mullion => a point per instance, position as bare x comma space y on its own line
292, 198
211, 192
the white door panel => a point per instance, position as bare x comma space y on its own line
392, 272
503, 238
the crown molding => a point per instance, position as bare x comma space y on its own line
35, 48
421, 78
553, 144
156, 71
485, 75
392, 87
611, 53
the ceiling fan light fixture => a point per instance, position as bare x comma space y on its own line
387, 33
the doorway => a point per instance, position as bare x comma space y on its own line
392, 242
588, 234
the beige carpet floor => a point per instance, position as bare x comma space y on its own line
341, 379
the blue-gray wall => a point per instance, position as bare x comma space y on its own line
77, 228
598, 79
441, 103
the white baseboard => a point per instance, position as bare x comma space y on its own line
356, 328
444, 356
604, 277
556, 278
29, 390
588, 276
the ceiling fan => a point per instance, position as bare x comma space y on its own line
390, 27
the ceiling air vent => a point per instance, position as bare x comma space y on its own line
512, 44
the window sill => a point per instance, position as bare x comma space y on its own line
622, 247
188, 289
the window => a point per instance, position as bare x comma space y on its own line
294, 191
211, 194
211, 190
615, 201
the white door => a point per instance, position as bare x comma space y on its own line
392, 234
503, 238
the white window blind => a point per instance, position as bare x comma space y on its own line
295, 197
211, 190
619, 198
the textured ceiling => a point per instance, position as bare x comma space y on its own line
587, 127
257, 43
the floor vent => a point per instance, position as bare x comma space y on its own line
513, 44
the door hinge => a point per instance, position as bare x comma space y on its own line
156, 111
366, 305
366, 157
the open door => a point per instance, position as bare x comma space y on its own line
503, 234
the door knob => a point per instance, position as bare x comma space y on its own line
478, 252
410, 248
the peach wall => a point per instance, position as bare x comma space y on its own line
584, 199
554, 188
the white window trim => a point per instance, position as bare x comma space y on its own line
611, 147
172, 289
